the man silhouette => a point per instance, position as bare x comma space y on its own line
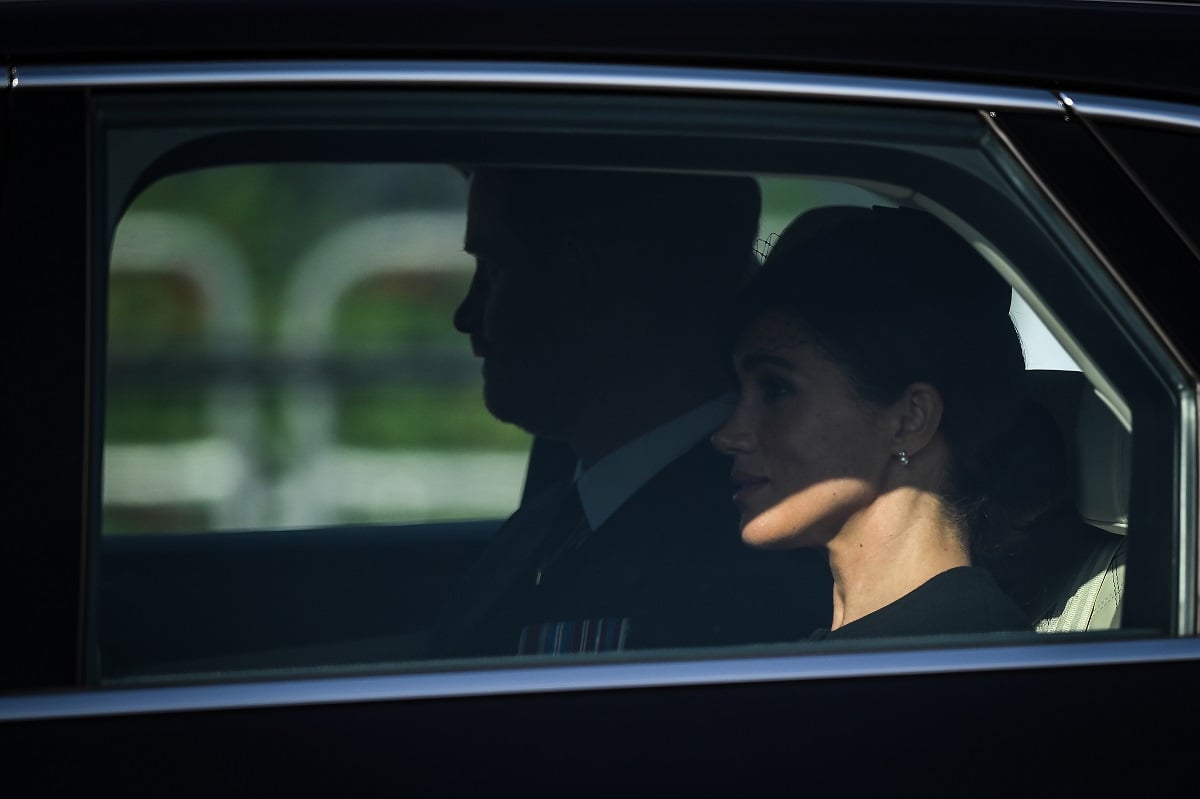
596, 306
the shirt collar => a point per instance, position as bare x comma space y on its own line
614, 478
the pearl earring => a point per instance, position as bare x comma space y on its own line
902, 456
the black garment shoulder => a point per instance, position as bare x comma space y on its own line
965, 599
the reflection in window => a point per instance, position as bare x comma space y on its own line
280, 354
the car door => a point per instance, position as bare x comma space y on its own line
275, 629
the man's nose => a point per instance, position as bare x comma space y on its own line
469, 314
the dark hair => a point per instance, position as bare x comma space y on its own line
895, 297
691, 234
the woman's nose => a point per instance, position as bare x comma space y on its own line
732, 436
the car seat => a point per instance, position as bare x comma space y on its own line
1072, 567
1101, 457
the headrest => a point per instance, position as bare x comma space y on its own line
1102, 455
1097, 442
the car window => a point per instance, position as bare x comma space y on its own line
297, 471
319, 416
250, 385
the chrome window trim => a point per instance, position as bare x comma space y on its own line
601, 76
1152, 112
535, 75
1188, 596
589, 677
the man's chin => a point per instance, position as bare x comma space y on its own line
507, 406
534, 411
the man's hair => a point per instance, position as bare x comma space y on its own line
693, 232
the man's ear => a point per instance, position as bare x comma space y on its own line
918, 416
594, 284
571, 268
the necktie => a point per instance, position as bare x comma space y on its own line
493, 599
568, 531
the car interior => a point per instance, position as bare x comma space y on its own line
1082, 556
343, 595
253, 600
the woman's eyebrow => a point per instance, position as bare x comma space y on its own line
758, 359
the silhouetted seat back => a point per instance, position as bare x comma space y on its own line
1069, 571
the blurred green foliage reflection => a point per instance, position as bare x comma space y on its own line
274, 325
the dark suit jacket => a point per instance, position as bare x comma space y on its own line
670, 560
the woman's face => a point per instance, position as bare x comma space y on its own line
809, 453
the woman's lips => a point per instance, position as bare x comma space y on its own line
744, 485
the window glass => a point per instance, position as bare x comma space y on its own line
1164, 161
305, 467
252, 385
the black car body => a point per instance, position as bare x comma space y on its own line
251, 653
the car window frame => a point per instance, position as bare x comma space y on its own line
982, 99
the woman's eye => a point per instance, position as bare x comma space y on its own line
772, 388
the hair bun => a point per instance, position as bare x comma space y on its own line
879, 257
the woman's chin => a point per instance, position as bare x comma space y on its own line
761, 536
763, 531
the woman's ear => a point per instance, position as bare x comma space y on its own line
918, 416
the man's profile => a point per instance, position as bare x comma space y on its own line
596, 306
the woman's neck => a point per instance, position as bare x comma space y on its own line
896, 545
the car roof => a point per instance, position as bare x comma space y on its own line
1146, 49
